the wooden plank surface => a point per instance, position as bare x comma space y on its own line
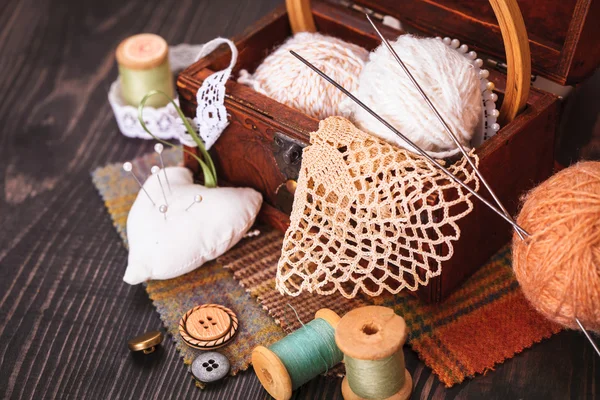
65, 314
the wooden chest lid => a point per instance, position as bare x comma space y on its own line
563, 34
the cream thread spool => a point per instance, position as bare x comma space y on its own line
144, 66
371, 339
271, 369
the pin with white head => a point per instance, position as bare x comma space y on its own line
128, 167
155, 170
163, 208
197, 199
252, 233
158, 147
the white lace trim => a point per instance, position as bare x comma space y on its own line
211, 115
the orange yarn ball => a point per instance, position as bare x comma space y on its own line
558, 266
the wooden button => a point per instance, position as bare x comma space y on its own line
202, 333
208, 323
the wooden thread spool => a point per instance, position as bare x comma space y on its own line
144, 66
271, 370
371, 337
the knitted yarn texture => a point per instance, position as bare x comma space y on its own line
446, 76
282, 78
369, 216
558, 266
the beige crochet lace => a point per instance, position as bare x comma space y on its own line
369, 216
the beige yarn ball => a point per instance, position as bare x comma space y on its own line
283, 78
558, 266
446, 76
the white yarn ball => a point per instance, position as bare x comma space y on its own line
285, 79
446, 76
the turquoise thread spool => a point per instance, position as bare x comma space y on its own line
371, 339
299, 357
144, 66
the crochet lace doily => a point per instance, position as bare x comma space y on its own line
369, 216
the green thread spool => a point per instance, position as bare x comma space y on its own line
371, 339
299, 357
144, 66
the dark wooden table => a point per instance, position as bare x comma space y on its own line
65, 313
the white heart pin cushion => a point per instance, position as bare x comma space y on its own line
162, 248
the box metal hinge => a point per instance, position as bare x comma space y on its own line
384, 19
288, 156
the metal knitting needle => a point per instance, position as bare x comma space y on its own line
457, 143
128, 167
588, 336
158, 147
442, 120
197, 199
407, 140
155, 170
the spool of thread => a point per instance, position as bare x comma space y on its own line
299, 357
446, 76
281, 77
144, 66
371, 339
558, 266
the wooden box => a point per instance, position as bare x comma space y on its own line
262, 147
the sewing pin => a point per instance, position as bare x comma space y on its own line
252, 233
128, 167
163, 208
155, 170
197, 199
411, 143
158, 147
443, 121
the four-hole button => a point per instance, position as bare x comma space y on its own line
210, 366
208, 323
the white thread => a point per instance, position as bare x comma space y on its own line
448, 78
288, 81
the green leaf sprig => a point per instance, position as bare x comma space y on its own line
207, 165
